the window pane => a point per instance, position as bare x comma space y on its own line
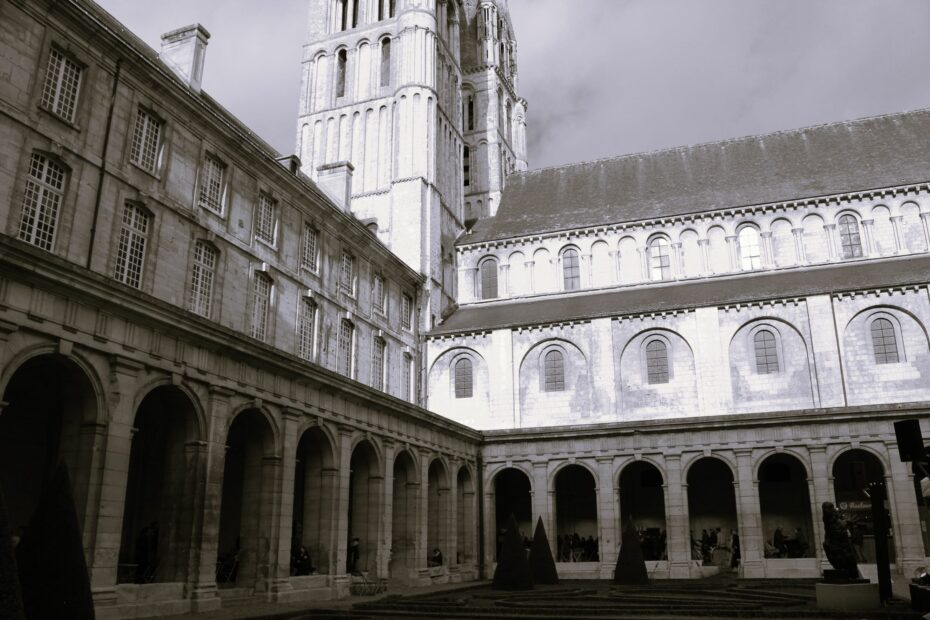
377, 364
463, 378
660, 264
266, 219
261, 298
406, 312
749, 251
489, 279
306, 325
211, 184
41, 202
766, 352
884, 342
145, 140
850, 241
130, 250
308, 258
347, 273
571, 270
346, 346
62, 82
554, 372
202, 273
377, 294
657, 362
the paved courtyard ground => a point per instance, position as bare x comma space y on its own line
719, 597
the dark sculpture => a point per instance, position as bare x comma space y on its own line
837, 543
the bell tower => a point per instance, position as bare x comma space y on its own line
382, 89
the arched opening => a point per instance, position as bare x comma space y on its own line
244, 547
437, 512
164, 463
576, 514
465, 518
315, 478
365, 482
853, 472
712, 511
404, 516
786, 508
48, 418
642, 506
511, 497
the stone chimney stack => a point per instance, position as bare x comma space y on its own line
336, 180
183, 50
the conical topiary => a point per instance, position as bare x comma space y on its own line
11, 605
542, 566
513, 569
631, 567
50, 557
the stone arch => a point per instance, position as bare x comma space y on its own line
815, 240
249, 471
442, 396
785, 506
316, 476
641, 493
784, 252
546, 401
185, 388
629, 265
405, 526
791, 386
365, 489
718, 255
92, 374
466, 517
712, 507
517, 274
692, 259
574, 488
513, 489
275, 446
852, 470
489, 277
658, 399
883, 241
438, 517
569, 272
801, 457
602, 268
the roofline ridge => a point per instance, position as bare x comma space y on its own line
696, 145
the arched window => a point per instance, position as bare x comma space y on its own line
469, 122
341, 62
554, 371
750, 255
489, 279
466, 166
884, 342
766, 352
850, 241
660, 262
386, 62
342, 14
464, 383
656, 362
354, 13
571, 270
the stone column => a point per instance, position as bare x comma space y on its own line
733, 250
506, 288
615, 263
768, 252
644, 275
341, 531
450, 546
830, 233
280, 571
822, 491
422, 512
386, 549
750, 517
587, 270
905, 517
705, 260
899, 246
677, 271
869, 236
541, 499
925, 222
111, 495
490, 524
608, 535
678, 539
799, 245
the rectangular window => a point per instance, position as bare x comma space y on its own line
42, 202
466, 166
146, 140
62, 84
347, 273
408, 378
346, 348
306, 328
266, 219
212, 178
377, 363
406, 312
377, 294
261, 300
202, 276
130, 252
309, 252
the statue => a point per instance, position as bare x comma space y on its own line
837, 543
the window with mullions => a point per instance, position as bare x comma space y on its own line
261, 302
884, 342
309, 252
571, 270
146, 141
406, 311
489, 279
130, 250
660, 262
464, 379
306, 328
346, 348
657, 362
62, 85
378, 363
211, 184
266, 219
377, 294
42, 202
554, 363
850, 240
203, 271
347, 273
750, 254
766, 349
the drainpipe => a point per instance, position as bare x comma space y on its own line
103, 163
480, 476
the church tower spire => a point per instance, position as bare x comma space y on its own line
382, 89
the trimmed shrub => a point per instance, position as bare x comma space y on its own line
542, 565
631, 567
11, 605
513, 569
52, 570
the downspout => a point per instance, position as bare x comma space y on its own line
103, 163
480, 476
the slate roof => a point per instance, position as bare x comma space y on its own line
869, 153
760, 286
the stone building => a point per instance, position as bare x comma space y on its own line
249, 353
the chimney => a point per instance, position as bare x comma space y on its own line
183, 50
291, 162
336, 180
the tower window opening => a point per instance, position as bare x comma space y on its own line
386, 62
354, 13
341, 73
342, 12
471, 112
571, 270
657, 362
884, 342
850, 240
391, 7
466, 167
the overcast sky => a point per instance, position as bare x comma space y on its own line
608, 77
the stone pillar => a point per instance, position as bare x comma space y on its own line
768, 252
608, 535
830, 234
899, 246
677, 271
386, 549
587, 271
750, 517
821, 491
490, 525
615, 263
644, 275
341, 531
799, 245
869, 236
925, 222
422, 512
705, 260
506, 287
280, 572
111, 496
450, 546
733, 250
528, 274
678, 539
541, 498
905, 518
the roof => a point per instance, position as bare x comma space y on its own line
870, 153
762, 286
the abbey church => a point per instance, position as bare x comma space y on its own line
389, 341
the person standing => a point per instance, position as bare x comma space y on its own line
353, 555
